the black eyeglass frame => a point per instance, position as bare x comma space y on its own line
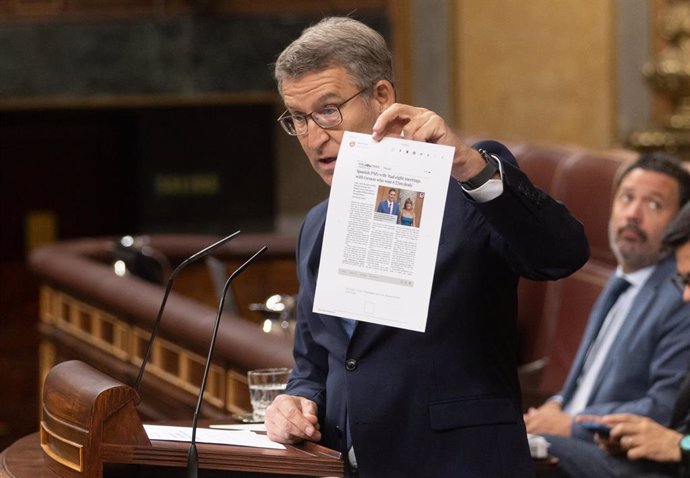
681, 281
283, 118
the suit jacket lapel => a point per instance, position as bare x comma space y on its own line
589, 336
315, 255
631, 325
314, 245
635, 320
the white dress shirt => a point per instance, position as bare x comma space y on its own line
605, 338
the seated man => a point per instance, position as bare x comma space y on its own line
637, 445
636, 348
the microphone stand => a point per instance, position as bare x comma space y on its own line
193, 457
193, 258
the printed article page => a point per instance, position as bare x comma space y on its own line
382, 230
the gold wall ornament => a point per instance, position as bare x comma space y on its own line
668, 74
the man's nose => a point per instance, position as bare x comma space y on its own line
634, 211
316, 135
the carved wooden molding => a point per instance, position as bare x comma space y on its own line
89, 313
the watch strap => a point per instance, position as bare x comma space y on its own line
485, 174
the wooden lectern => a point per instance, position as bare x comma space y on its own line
89, 420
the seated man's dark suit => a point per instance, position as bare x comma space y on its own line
648, 359
585, 459
446, 402
642, 375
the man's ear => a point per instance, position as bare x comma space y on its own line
383, 94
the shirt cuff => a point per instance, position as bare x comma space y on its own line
555, 398
490, 189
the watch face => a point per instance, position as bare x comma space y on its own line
685, 443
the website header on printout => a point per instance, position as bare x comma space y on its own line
382, 230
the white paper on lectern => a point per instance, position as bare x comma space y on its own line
207, 435
373, 269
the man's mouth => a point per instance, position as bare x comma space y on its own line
632, 233
327, 160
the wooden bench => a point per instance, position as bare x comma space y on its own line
88, 312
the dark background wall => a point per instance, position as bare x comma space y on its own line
178, 55
182, 55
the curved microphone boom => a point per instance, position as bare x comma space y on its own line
193, 258
193, 458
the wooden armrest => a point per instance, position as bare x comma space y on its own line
530, 375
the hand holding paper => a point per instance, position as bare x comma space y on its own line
421, 124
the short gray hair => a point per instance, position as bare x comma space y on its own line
337, 42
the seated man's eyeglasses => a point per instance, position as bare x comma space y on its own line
328, 117
681, 281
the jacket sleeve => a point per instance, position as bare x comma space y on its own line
542, 240
665, 372
308, 378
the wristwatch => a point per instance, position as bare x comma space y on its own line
485, 174
685, 456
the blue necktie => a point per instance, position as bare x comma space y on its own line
349, 326
616, 288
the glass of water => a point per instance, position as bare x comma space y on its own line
264, 385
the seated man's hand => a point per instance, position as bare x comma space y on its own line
292, 419
548, 419
610, 445
642, 438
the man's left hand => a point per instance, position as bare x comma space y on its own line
420, 124
548, 419
643, 438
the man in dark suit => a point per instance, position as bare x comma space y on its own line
445, 402
636, 349
637, 445
390, 205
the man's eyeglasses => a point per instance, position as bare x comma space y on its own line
681, 281
328, 117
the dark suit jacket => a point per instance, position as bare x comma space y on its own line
383, 207
648, 359
581, 458
680, 421
445, 402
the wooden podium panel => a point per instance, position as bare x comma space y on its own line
90, 425
26, 459
308, 460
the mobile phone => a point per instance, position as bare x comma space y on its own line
600, 428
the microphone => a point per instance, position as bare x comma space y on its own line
193, 457
193, 258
